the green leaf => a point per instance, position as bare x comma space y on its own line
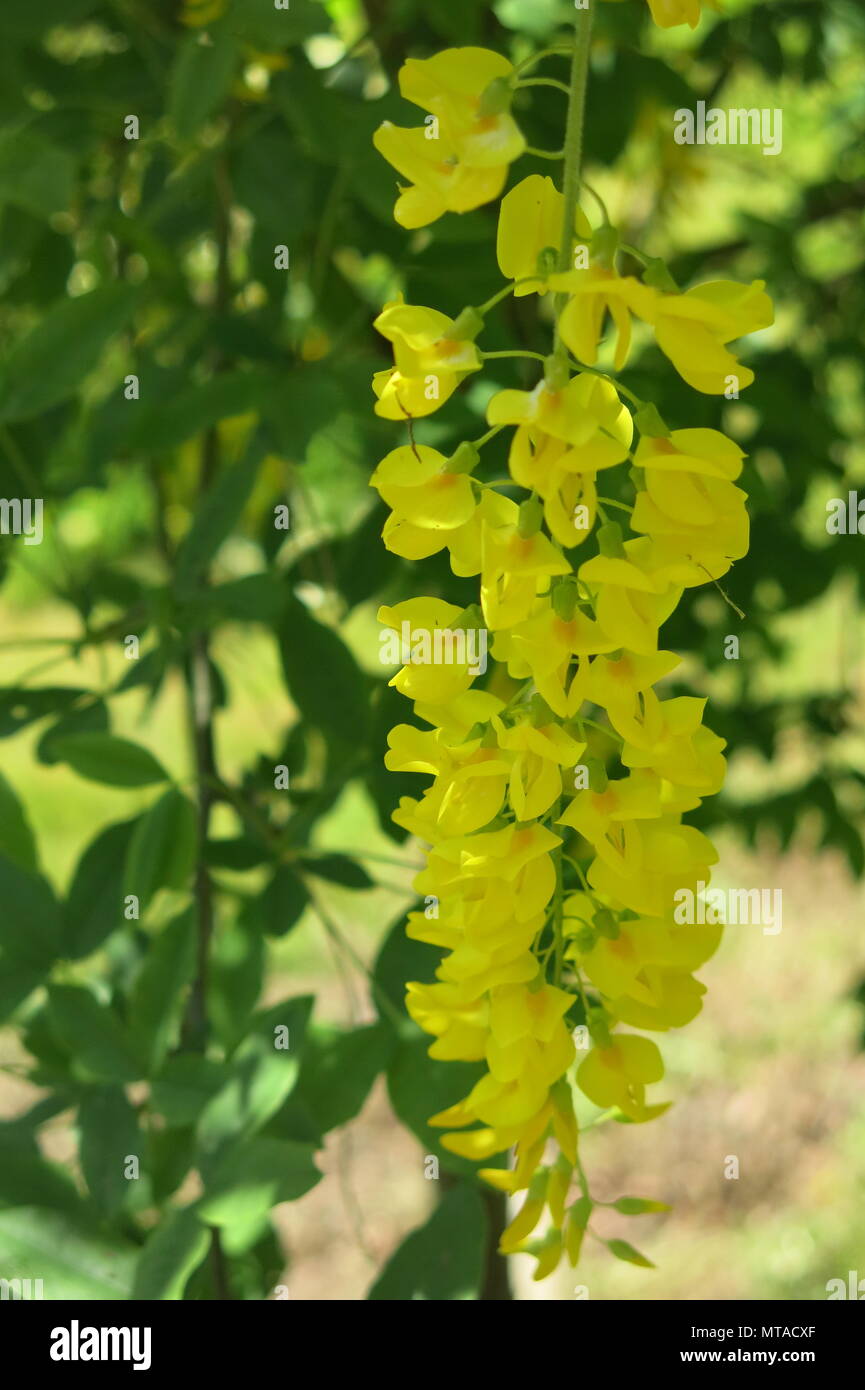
109, 1134
623, 1251
282, 903
20, 707
251, 1179
17, 982
16, 837
261, 1077
72, 1263
175, 1248
216, 518
28, 1179
262, 23
200, 80
30, 919
162, 849
636, 1206
442, 1260
90, 718
236, 975
93, 1033
323, 678
339, 1069
42, 369
185, 1085
156, 1001
34, 174
105, 758
94, 904
338, 868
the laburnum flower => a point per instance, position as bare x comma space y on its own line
423, 678
633, 595
562, 471
428, 502
470, 784
459, 159
619, 1074
514, 568
644, 971
572, 415
543, 648
673, 857
530, 224
622, 685
693, 329
690, 507
680, 748
668, 13
429, 362
594, 292
539, 754
607, 819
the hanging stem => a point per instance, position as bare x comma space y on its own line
200, 700
573, 151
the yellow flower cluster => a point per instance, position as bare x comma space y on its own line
552, 867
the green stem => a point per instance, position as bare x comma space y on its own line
490, 356
544, 82
490, 434
544, 154
573, 151
544, 53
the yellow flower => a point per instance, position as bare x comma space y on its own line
680, 748
428, 502
423, 678
429, 364
606, 818
459, 159
572, 415
544, 646
693, 328
530, 222
668, 13
593, 293
514, 567
563, 474
634, 596
535, 779
674, 856
618, 1075
623, 687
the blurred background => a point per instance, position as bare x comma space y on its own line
265, 140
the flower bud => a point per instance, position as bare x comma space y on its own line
610, 541
531, 517
496, 98
464, 459
467, 325
556, 374
648, 421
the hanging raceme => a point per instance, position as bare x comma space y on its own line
553, 865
